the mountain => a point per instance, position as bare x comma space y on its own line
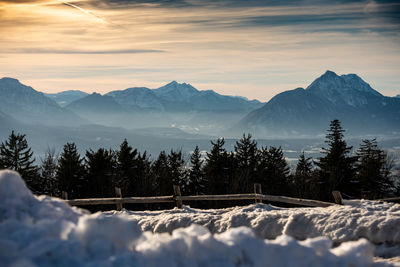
95, 103
177, 105
360, 108
66, 97
184, 97
30, 106
398, 96
181, 97
173, 91
8, 124
137, 98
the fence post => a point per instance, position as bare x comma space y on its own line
118, 194
64, 195
257, 190
338, 197
177, 192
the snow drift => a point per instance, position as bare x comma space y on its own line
44, 231
379, 222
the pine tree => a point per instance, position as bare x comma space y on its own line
128, 169
303, 176
101, 170
160, 174
145, 185
246, 162
373, 173
176, 166
337, 167
195, 183
219, 168
15, 154
49, 174
71, 174
273, 171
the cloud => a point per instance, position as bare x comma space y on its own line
251, 45
85, 11
86, 52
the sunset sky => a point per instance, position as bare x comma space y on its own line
250, 48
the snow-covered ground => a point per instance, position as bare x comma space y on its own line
44, 231
379, 222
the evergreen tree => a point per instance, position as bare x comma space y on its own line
49, 174
176, 167
337, 167
128, 169
71, 174
246, 153
273, 171
195, 183
101, 170
303, 176
373, 172
145, 184
161, 176
15, 154
218, 168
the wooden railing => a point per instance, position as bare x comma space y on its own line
178, 199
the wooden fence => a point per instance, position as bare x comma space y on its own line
178, 199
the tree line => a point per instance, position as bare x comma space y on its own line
368, 173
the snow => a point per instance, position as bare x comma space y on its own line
44, 231
379, 222
349, 89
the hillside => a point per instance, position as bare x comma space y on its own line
27, 105
360, 108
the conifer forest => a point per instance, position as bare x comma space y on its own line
366, 172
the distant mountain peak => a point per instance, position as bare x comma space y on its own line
8, 79
173, 83
63, 98
174, 90
178, 86
347, 88
95, 102
347, 97
329, 73
30, 106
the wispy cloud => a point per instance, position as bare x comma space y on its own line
250, 46
83, 52
84, 11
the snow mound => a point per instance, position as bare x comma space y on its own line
379, 222
44, 231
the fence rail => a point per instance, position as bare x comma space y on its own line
178, 199
390, 199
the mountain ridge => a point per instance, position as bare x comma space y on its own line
64, 98
27, 105
308, 111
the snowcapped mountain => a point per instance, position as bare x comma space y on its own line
309, 111
66, 97
174, 91
181, 97
30, 106
173, 105
343, 90
95, 103
137, 97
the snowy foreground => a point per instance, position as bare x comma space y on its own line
44, 231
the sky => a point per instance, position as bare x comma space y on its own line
249, 48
